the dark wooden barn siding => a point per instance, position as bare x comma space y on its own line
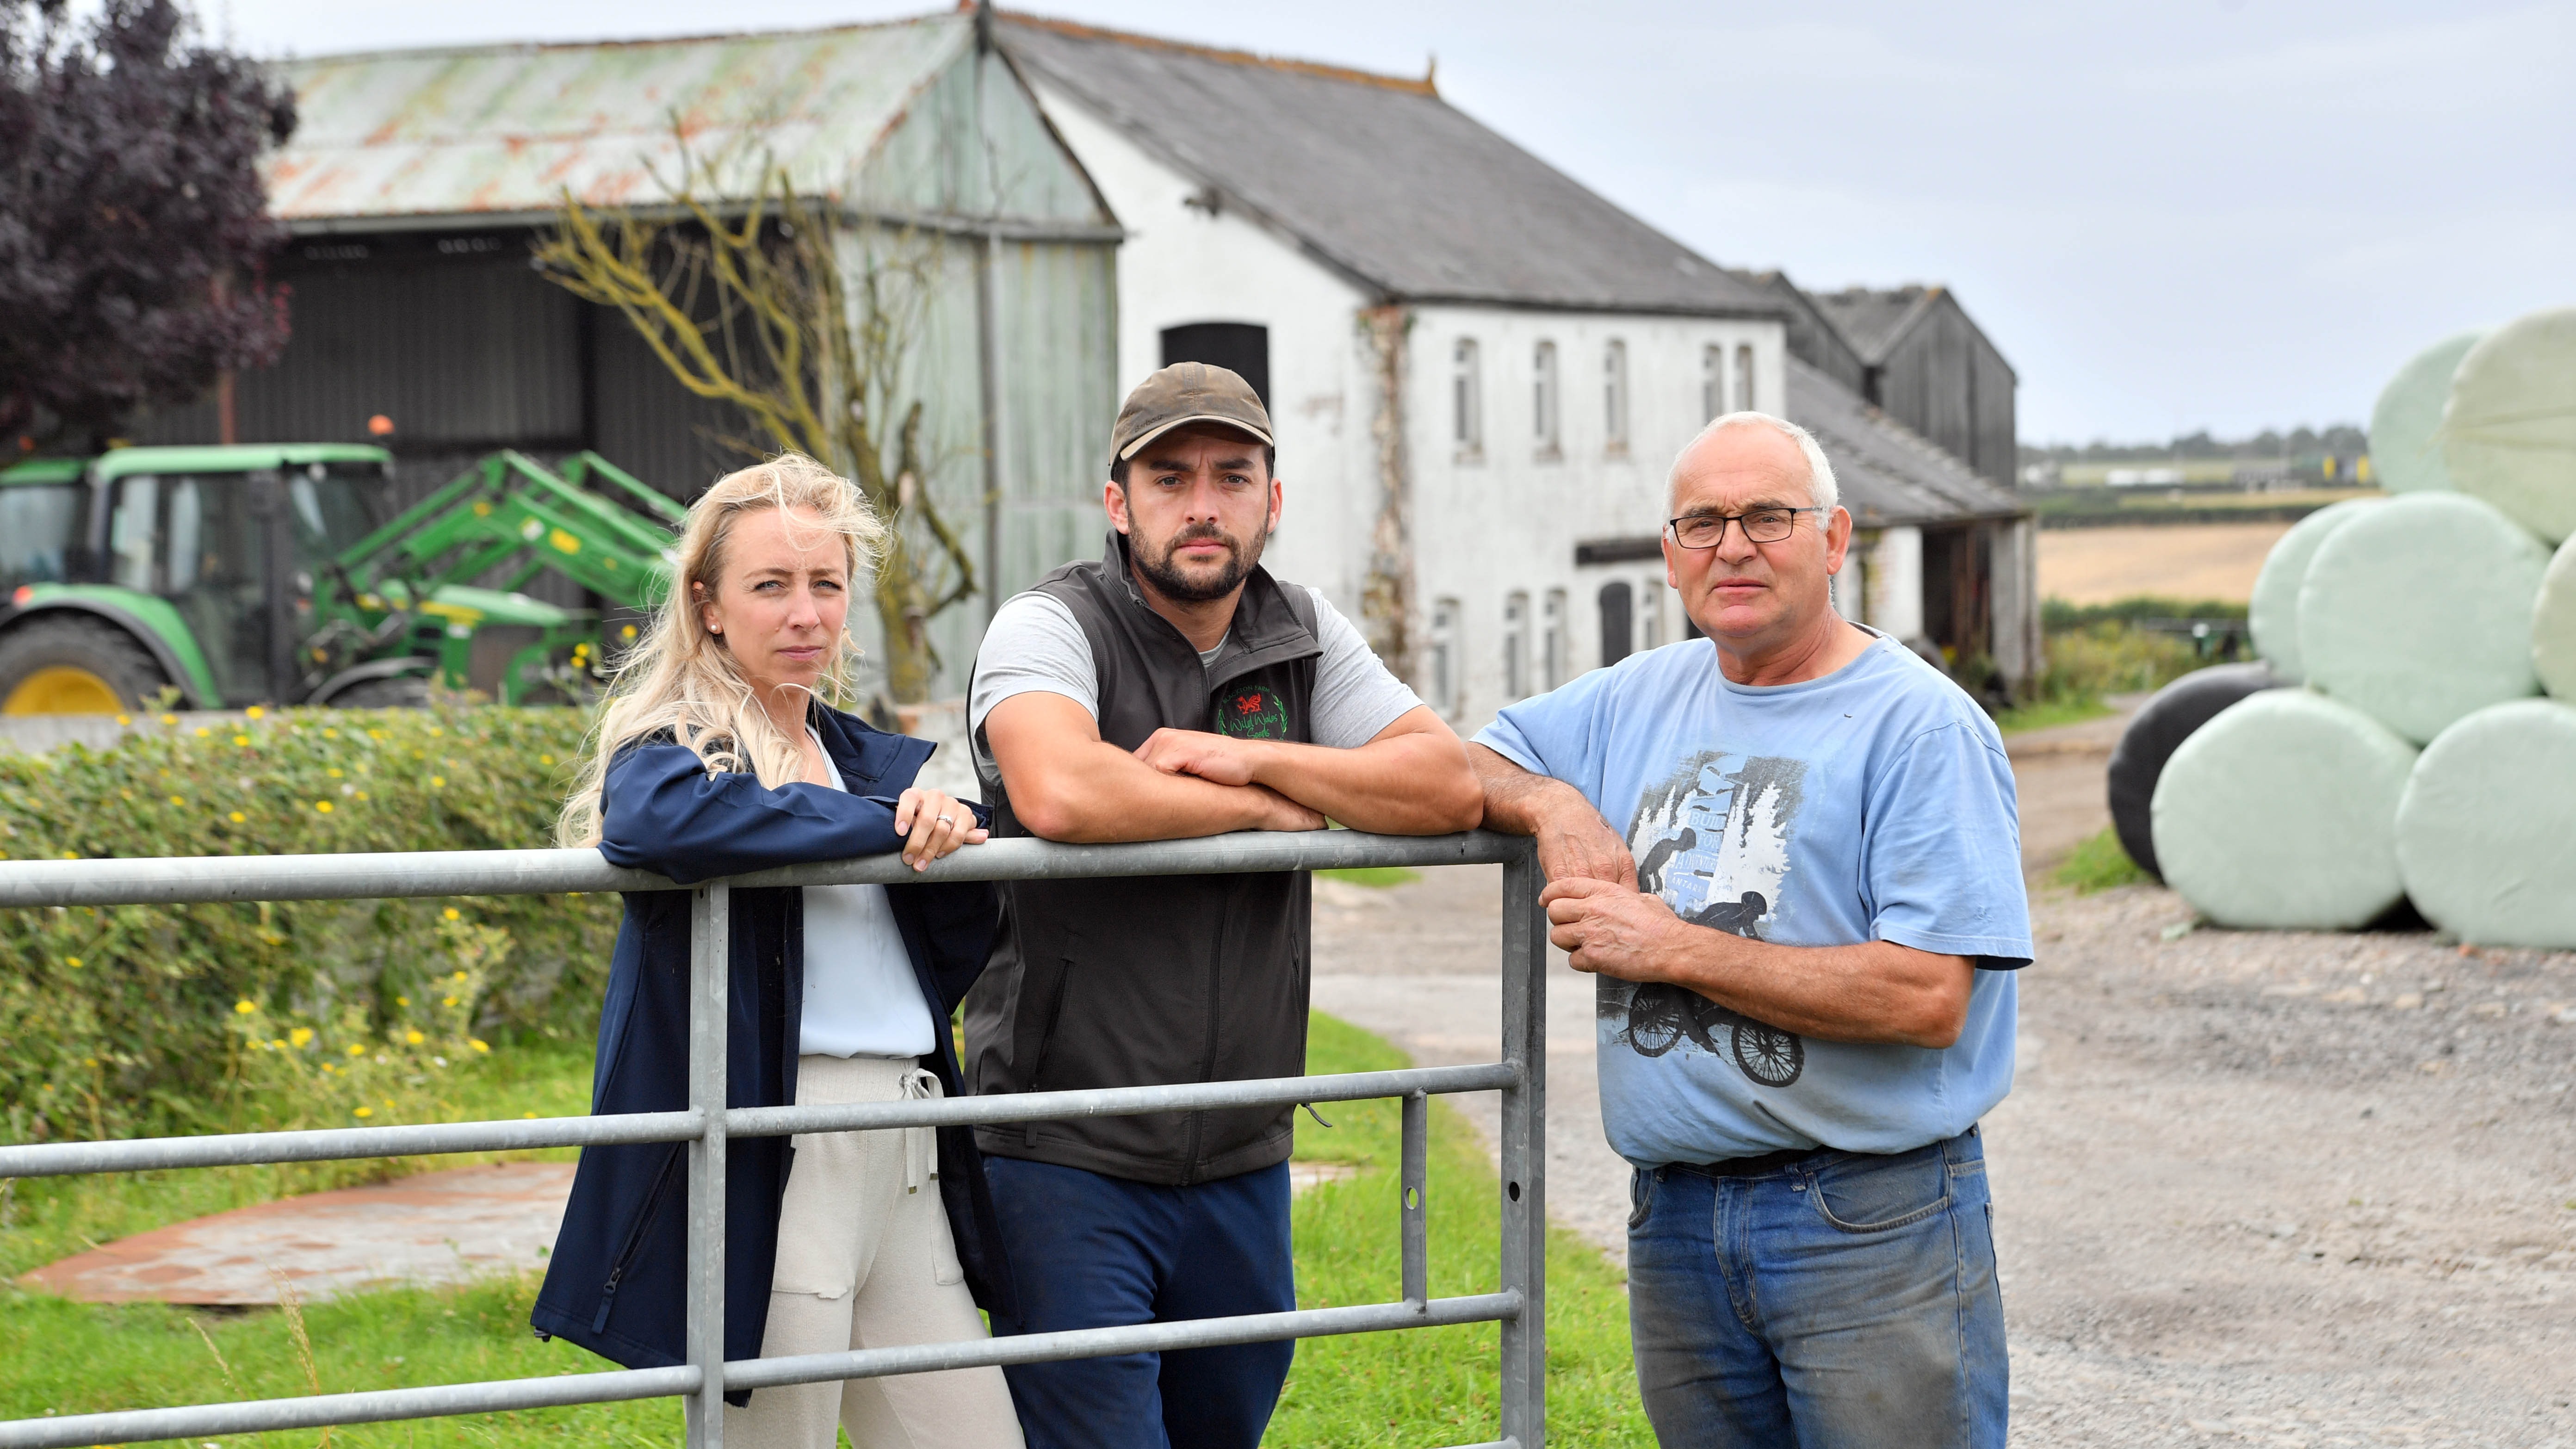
1947, 382
466, 349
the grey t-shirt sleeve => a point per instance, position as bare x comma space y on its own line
1355, 695
1033, 646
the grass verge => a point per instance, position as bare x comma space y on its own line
1374, 876
2099, 864
2049, 713
1410, 1388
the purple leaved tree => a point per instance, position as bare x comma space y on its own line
133, 226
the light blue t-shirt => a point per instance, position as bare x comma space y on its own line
1874, 804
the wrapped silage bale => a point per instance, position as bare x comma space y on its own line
2273, 616
2553, 625
2174, 715
2405, 425
2418, 612
2486, 828
2509, 432
2281, 812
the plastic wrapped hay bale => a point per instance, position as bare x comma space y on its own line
2158, 729
2486, 830
2553, 625
2273, 616
2281, 812
2418, 612
2509, 434
2405, 426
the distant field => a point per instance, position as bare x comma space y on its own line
2198, 561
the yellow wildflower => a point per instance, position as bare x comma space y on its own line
450, 913
366, 1111
322, 805
255, 712
545, 759
414, 1037
402, 1001
89, 1061
334, 772
204, 733
169, 719
459, 976
478, 1044
357, 1050
330, 734
523, 1114
73, 962
176, 800
239, 817
451, 1001
244, 1006
362, 794
300, 1035
241, 739
438, 782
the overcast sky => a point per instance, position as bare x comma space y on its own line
2223, 214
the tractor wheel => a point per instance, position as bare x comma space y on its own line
76, 665
403, 691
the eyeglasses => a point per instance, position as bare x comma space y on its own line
1762, 525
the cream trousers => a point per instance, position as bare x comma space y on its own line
865, 1260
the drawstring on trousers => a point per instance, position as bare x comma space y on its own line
920, 1144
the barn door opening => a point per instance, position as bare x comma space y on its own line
1242, 348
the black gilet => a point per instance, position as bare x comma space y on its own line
1155, 980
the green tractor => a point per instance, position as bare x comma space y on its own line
271, 574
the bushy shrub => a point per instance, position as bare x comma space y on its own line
2057, 615
2087, 663
128, 1020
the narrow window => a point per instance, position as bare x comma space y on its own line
1553, 666
1516, 650
1543, 396
1614, 398
1650, 613
1467, 391
1617, 632
1242, 348
1744, 379
1712, 382
1444, 656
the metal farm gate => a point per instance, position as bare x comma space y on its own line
1520, 1075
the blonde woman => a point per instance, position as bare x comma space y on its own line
718, 754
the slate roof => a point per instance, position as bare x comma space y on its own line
1376, 177
1872, 321
1889, 473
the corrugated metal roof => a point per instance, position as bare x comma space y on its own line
1889, 474
1378, 177
505, 129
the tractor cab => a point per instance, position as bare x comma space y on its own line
187, 568
266, 574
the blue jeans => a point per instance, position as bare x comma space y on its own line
1091, 1251
1842, 1302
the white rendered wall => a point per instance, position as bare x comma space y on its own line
1895, 568
1506, 519
1180, 265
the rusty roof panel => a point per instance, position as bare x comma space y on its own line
503, 129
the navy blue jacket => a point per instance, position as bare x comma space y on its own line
617, 1282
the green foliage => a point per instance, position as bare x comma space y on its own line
2056, 615
2045, 713
126, 1020
2099, 864
2087, 663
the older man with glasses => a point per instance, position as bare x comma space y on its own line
1805, 999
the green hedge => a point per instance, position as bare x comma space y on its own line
131, 1020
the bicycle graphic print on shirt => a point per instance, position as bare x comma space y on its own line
1713, 841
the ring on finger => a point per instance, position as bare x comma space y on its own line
947, 820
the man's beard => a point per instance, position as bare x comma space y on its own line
1169, 581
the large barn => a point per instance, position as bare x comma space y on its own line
418, 180
1480, 370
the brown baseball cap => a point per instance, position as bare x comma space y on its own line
1183, 393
